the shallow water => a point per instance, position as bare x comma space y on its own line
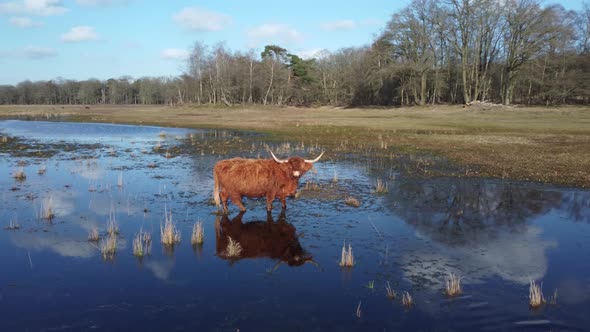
498, 235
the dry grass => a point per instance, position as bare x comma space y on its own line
93, 235
169, 234
19, 174
553, 298
391, 294
234, 249
112, 224
536, 298
142, 244
347, 258
108, 247
47, 209
351, 201
381, 187
12, 225
407, 300
453, 283
198, 237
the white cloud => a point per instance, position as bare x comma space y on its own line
174, 54
311, 53
24, 22
274, 33
80, 33
34, 7
200, 20
338, 25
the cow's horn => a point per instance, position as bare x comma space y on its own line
316, 159
280, 161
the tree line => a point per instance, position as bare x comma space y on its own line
430, 52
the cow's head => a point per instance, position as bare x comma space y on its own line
297, 166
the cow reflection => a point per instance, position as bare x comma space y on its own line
275, 240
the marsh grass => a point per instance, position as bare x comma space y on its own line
371, 285
19, 174
358, 310
47, 209
407, 300
453, 285
169, 234
553, 298
381, 187
351, 201
93, 235
347, 258
112, 224
108, 247
536, 298
390, 292
197, 237
12, 225
142, 244
233, 249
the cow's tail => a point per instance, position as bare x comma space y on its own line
216, 189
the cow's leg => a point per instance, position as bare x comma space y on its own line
224, 196
283, 202
269, 199
237, 199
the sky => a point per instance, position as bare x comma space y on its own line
102, 39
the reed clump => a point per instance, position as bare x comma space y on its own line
347, 258
108, 247
407, 300
112, 224
19, 174
47, 209
536, 298
390, 292
453, 283
93, 235
351, 201
142, 244
198, 235
12, 225
381, 187
169, 234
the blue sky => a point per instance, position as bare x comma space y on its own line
81, 39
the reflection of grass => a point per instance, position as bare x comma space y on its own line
120, 180
553, 298
407, 300
536, 298
108, 247
93, 234
390, 292
234, 249
453, 285
197, 237
169, 234
347, 259
371, 284
142, 244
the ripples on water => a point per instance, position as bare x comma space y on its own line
498, 235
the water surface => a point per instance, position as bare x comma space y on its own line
498, 235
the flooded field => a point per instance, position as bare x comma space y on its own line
75, 197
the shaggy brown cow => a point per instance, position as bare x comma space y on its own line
274, 240
270, 178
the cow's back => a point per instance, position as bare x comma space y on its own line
247, 177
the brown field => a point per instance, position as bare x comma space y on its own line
529, 143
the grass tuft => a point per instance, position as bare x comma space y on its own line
12, 225
93, 235
169, 234
112, 224
536, 298
108, 247
453, 285
42, 169
347, 258
351, 201
142, 244
47, 209
390, 292
120, 180
553, 298
407, 300
381, 187
20, 175
198, 236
